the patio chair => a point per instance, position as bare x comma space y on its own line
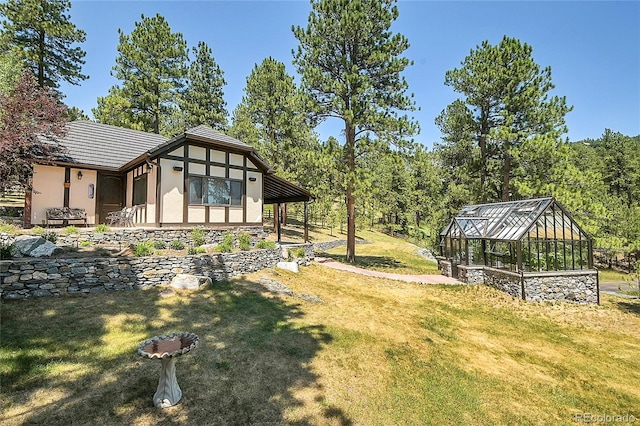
129, 216
116, 217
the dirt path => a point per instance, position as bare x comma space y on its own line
422, 279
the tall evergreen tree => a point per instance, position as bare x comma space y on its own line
350, 63
40, 33
202, 101
151, 64
516, 125
270, 118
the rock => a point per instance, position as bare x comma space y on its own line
167, 293
32, 246
189, 282
309, 298
275, 286
288, 266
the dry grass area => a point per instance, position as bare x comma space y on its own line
376, 352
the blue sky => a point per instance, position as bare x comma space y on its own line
593, 48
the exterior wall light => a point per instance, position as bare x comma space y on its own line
79, 175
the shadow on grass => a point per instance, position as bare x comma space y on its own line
74, 361
378, 262
630, 307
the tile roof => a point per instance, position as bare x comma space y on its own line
203, 131
104, 145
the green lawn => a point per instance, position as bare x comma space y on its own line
386, 254
376, 352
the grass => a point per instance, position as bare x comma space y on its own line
609, 275
387, 254
376, 352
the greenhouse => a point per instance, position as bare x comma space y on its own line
525, 239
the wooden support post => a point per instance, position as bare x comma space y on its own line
306, 222
279, 225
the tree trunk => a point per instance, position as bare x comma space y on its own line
351, 205
484, 133
41, 40
506, 175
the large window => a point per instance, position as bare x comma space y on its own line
215, 191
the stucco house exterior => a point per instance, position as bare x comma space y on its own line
199, 178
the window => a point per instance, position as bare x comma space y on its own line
140, 190
215, 191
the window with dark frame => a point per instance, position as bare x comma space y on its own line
140, 190
215, 191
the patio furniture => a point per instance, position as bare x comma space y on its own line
65, 214
167, 348
122, 217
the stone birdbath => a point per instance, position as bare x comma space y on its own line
167, 348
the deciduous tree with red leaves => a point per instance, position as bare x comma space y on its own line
31, 120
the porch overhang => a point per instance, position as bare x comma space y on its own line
280, 191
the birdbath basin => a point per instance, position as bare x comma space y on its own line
167, 348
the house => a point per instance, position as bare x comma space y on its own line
532, 249
201, 177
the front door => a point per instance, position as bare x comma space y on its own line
110, 193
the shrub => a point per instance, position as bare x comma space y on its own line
5, 252
192, 250
297, 252
85, 244
226, 246
244, 241
144, 248
177, 245
266, 244
50, 236
71, 229
197, 236
101, 228
160, 245
37, 230
8, 228
201, 250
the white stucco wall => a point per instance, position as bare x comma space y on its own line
172, 183
79, 192
48, 191
254, 198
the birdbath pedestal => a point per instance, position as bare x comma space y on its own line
167, 348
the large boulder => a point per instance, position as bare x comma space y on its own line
32, 246
288, 266
189, 282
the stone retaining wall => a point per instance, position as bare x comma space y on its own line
126, 236
324, 246
28, 277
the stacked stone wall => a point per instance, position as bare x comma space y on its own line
509, 282
471, 274
575, 286
22, 278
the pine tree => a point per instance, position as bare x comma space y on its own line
151, 64
350, 65
514, 123
270, 118
40, 33
202, 101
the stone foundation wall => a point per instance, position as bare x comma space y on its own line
471, 274
575, 286
445, 266
22, 278
509, 282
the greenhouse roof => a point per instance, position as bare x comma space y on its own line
508, 220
